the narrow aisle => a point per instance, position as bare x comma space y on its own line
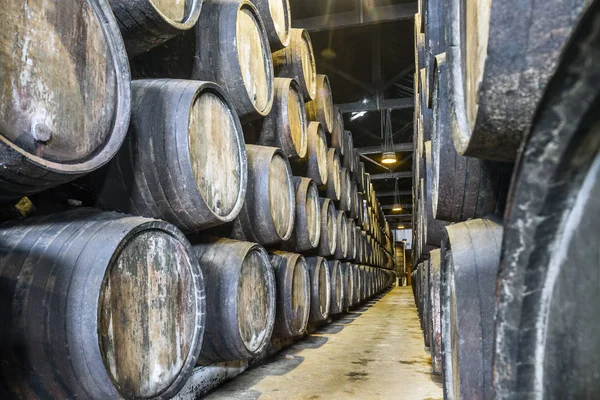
376, 352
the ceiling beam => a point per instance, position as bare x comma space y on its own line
398, 148
397, 77
392, 104
375, 162
360, 16
347, 77
392, 194
395, 175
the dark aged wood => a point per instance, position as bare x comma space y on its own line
240, 293
338, 287
497, 77
548, 280
348, 282
145, 24
64, 101
472, 268
183, 160
315, 164
277, 18
341, 224
109, 327
321, 108
351, 232
286, 125
297, 61
228, 46
348, 159
320, 288
267, 216
333, 188
433, 228
358, 244
337, 135
307, 225
328, 240
434, 301
462, 187
293, 294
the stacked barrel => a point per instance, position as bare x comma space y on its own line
507, 177
185, 213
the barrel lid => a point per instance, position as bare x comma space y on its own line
281, 195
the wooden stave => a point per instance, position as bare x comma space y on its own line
327, 242
143, 26
348, 160
282, 263
69, 242
321, 108
341, 247
254, 222
333, 188
157, 191
300, 241
288, 63
338, 288
434, 300
221, 261
345, 190
277, 40
337, 135
434, 228
314, 166
315, 266
275, 127
26, 174
526, 61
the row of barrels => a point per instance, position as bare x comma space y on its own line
502, 309
104, 305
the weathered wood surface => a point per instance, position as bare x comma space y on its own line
433, 228
111, 328
462, 187
65, 102
297, 61
337, 135
328, 240
341, 224
293, 294
228, 46
338, 287
267, 216
286, 125
333, 188
500, 61
321, 108
315, 164
277, 18
548, 279
145, 24
346, 190
307, 225
184, 159
240, 292
320, 289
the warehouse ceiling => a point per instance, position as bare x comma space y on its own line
366, 49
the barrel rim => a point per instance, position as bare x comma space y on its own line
148, 224
304, 36
192, 8
292, 84
276, 152
122, 112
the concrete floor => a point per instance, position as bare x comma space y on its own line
376, 352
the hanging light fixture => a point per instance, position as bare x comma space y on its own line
397, 205
389, 156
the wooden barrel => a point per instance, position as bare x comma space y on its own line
357, 286
307, 225
338, 288
346, 190
333, 188
348, 160
145, 24
354, 203
341, 248
297, 61
321, 108
337, 136
105, 280
328, 240
433, 228
434, 301
358, 244
320, 288
349, 282
472, 269
462, 187
497, 76
64, 109
267, 216
184, 159
359, 175
286, 126
278, 21
240, 293
293, 294
551, 233
315, 164
351, 232
229, 46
